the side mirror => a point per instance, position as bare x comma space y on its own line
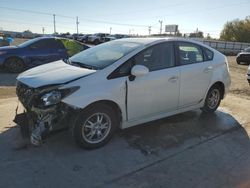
139, 70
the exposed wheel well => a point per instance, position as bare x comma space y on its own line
12, 57
221, 86
111, 104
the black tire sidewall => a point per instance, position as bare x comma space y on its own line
205, 107
82, 117
12, 60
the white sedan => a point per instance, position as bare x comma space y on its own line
120, 84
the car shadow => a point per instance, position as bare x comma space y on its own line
7, 79
130, 149
164, 133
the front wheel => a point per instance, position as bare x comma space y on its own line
14, 65
95, 126
212, 100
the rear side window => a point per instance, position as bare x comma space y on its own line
189, 53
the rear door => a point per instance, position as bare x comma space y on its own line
196, 72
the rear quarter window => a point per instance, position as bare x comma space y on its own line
209, 55
72, 47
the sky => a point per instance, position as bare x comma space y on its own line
127, 16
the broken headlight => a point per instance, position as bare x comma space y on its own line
51, 98
54, 97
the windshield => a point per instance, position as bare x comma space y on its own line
105, 54
28, 42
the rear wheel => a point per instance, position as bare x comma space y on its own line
95, 126
14, 64
213, 99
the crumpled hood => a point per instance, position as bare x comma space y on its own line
57, 72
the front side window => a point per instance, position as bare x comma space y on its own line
189, 53
158, 57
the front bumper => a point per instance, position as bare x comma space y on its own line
38, 122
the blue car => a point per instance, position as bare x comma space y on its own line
38, 51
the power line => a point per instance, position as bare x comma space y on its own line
65, 16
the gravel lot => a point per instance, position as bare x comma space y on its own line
187, 150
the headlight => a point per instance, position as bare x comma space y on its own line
55, 96
51, 98
2, 53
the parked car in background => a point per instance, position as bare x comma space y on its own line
79, 35
115, 36
97, 38
244, 57
83, 38
38, 51
120, 84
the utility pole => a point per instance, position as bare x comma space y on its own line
160, 21
110, 29
149, 30
43, 30
54, 18
77, 23
130, 31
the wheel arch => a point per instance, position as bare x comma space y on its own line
222, 87
13, 56
110, 103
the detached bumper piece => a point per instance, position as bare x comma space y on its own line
35, 128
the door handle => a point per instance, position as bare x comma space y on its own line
173, 79
208, 69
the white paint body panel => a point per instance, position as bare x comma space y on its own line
195, 79
153, 93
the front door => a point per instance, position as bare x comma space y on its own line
158, 91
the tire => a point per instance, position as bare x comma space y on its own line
88, 129
96, 42
14, 65
212, 100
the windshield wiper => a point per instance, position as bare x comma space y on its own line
82, 65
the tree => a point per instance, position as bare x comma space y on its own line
236, 30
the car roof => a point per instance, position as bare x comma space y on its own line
148, 41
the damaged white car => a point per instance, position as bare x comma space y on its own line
120, 84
